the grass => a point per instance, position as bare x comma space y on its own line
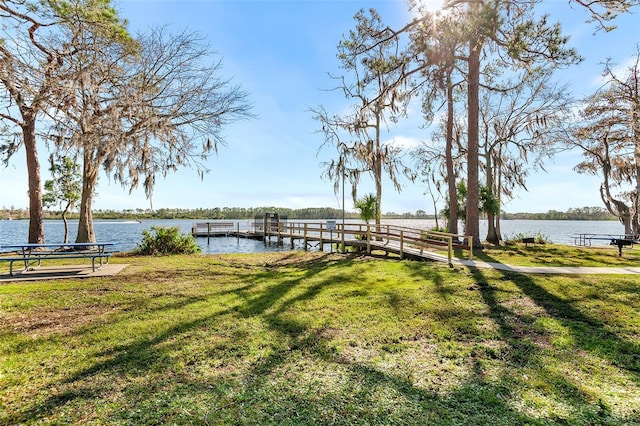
314, 338
556, 255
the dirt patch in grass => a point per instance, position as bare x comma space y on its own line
41, 323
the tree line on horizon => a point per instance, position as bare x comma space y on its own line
312, 213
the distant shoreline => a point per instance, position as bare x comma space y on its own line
312, 213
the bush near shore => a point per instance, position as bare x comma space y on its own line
298, 338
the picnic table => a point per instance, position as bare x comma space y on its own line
31, 255
619, 240
587, 238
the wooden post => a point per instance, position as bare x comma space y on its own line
401, 242
331, 241
291, 234
208, 231
305, 236
368, 239
321, 242
264, 228
449, 254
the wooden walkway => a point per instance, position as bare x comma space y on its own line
403, 241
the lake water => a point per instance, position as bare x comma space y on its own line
128, 234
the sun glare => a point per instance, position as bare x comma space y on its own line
432, 5
422, 7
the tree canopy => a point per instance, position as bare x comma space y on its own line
133, 106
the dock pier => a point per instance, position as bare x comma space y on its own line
403, 241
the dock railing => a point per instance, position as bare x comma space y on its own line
391, 238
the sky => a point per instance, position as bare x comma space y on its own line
281, 52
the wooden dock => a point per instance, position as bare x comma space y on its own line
214, 229
403, 241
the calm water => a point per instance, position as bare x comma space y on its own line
128, 234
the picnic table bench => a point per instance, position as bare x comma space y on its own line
32, 255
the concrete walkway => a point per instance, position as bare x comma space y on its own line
584, 270
576, 270
83, 271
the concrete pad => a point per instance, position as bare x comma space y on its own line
63, 271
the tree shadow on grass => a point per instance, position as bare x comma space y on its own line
270, 400
148, 353
368, 394
476, 400
590, 334
361, 396
524, 343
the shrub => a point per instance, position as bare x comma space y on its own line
440, 229
426, 236
539, 238
166, 241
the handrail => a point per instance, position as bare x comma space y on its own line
377, 236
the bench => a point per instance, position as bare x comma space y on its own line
32, 255
28, 260
528, 240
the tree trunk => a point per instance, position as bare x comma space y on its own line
36, 218
492, 234
86, 233
621, 211
66, 223
625, 220
635, 132
377, 171
498, 194
435, 211
378, 192
451, 176
473, 190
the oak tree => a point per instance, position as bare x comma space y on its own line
32, 53
609, 136
143, 109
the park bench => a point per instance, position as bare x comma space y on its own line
32, 255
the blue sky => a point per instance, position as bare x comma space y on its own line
281, 52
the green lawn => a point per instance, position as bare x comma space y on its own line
556, 255
315, 338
